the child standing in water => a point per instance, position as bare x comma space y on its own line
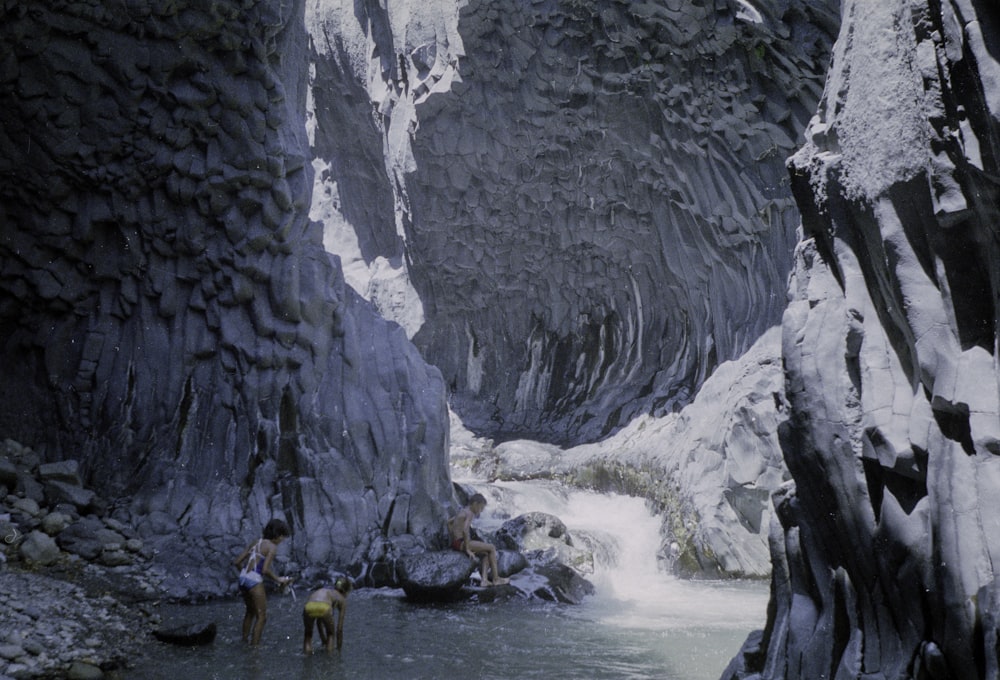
319, 610
459, 528
255, 564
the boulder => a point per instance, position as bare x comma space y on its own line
8, 473
511, 562
488, 594
88, 538
29, 487
434, 576
562, 584
114, 557
57, 492
55, 522
25, 506
531, 531
67, 471
544, 538
81, 670
187, 635
39, 548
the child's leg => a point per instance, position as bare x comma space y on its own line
259, 598
497, 579
481, 550
248, 616
307, 642
328, 626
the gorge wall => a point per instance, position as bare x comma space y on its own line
589, 199
886, 542
168, 314
577, 210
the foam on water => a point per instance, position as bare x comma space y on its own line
632, 590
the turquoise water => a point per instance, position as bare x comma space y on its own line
385, 636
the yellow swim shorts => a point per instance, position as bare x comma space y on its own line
317, 609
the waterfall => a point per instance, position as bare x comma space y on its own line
632, 591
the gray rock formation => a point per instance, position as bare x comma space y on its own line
590, 197
886, 542
168, 314
708, 470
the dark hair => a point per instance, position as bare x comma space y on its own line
275, 529
343, 585
477, 498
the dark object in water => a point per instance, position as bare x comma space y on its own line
191, 635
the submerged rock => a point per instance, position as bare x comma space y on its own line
189, 635
561, 583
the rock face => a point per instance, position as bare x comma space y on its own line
168, 314
590, 197
886, 541
708, 470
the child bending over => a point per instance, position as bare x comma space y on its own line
319, 610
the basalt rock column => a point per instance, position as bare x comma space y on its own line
168, 315
590, 197
600, 214
886, 543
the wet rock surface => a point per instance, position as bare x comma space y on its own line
534, 550
435, 576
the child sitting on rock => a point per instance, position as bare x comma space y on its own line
319, 610
459, 528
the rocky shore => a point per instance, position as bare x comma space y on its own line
80, 585
77, 587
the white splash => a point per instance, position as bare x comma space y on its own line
632, 591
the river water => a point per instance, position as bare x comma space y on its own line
641, 623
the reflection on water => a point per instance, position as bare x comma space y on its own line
641, 623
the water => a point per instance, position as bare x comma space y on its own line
640, 624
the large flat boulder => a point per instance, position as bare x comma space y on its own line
435, 576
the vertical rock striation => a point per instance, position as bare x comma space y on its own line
886, 543
590, 197
168, 314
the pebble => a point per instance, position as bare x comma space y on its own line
11, 652
84, 671
39, 640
